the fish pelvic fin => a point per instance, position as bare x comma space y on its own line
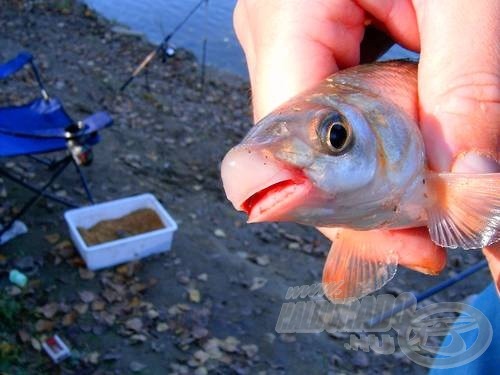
356, 265
466, 209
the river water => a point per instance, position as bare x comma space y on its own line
157, 18
213, 21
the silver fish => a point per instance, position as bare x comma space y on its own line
349, 153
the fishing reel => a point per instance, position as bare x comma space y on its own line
167, 51
76, 142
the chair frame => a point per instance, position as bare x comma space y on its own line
57, 166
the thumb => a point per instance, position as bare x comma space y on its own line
459, 83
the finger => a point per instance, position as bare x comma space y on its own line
413, 246
397, 17
459, 81
292, 45
492, 254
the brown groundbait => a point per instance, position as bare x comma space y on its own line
134, 223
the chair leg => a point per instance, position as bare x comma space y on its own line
40, 193
84, 182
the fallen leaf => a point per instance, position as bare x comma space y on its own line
199, 332
98, 305
138, 338
110, 295
212, 348
86, 296
138, 288
43, 325
81, 308
201, 356
262, 260
36, 344
194, 295
257, 283
24, 336
65, 249
86, 274
201, 371
152, 314
93, 358
230, 344
68, 319
52, 238
202, 277
161, 327
219, 233
250, 350
135, 324
49, 310
135, 366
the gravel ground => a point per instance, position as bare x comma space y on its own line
211, 304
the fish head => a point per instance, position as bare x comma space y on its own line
298, 161
333, 155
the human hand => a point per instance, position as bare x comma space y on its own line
291, 45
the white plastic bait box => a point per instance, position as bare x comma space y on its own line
124, 249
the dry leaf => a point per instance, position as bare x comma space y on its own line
137, 338
49, 310
152, 314
201, 356
257, 283
262, 260
43, 325
161, 327
65, 249
93, 358
86, 274
250, 350
23, 336
137, 288
69, 319
194, 295
36, 344
135, 324
230, 344
86, 296
136, 366
98, 305
201, 371
81, 308
220, 233
52, 238
202, 277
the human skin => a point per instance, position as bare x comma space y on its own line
291, 45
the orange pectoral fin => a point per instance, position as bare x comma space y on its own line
357, 264
466, 212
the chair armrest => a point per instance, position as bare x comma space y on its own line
12, 66
97, 121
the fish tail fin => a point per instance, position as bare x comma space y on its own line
356, 266
466, 211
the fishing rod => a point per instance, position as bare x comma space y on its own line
162, 47
428, 293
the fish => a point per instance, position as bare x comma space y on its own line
348, 153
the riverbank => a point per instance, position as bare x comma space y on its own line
211, 304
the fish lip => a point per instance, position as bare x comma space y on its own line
289, 191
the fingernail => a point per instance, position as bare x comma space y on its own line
473, 162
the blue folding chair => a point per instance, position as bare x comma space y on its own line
43, 126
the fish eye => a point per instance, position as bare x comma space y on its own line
335, 133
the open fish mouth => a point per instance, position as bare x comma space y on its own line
275, 201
